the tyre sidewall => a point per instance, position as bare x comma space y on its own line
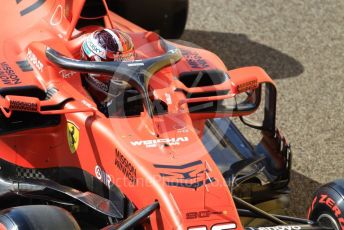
327, 201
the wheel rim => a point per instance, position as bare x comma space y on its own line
327, 220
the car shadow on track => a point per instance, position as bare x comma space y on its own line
237, 50
302, 191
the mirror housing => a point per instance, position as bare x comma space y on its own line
247, 81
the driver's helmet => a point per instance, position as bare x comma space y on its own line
106, 45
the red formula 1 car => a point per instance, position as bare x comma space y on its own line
164, 156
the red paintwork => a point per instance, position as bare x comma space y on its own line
101, 137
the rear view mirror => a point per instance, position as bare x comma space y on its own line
13, 103
217, 94
19, 103
212, 94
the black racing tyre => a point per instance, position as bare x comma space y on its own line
327, 207
167, 17
37, 217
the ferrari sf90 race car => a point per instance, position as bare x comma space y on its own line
164, 152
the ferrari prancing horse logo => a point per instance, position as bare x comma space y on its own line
72, 136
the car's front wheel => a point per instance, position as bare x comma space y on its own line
38, 217
327, 207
